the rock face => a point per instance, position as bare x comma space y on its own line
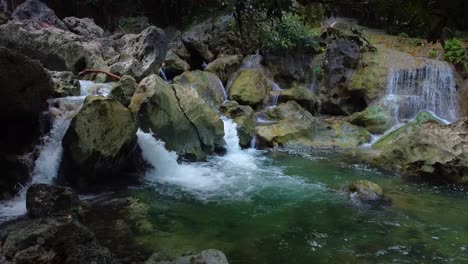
374, 119
25, 89
124, 90
291, 66
35, 12
342, 57
207, 84
173, 65
44, 200
65, 84
84, 26
100, 143
334, 132
244, 117
179, 117
250, 87
224, 66
140, 54
301, 95
366, 191
433, 151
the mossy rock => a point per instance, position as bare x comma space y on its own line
304, 96
250, 87
224, 66
366, 190
339, 133
124, 90
375, 119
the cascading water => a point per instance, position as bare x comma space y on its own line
222, 89
46, 166
162, 74
276, 90
431, 87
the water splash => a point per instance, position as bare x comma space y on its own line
431, 87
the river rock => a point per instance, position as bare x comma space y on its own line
250, 87
124, 90
373, 118
84, 26
224, 66
65, 84
37, 13
366, 191
160, 112
140, 54
173, 65
305, 97
342, 58
207, 84
44, 200
244, 118
100, 143
433, 151
210, 256
336, 132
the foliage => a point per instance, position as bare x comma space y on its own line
288, 33
433, 53
455, 51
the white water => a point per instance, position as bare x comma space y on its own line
431, 88
162, 74
46, 166
276, 90
233, 176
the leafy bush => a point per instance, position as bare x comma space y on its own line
455, 51
288, 33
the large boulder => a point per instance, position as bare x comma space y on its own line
57, 49
124, 90
160, 112
173, 65
37, 13
84, 26
25, 89
250, 87
100, 144
341, 60
433, 151
367, 191
375, 119
335, 132
224, 66
44, 200
65, 84
140, 54
304, 96
244, 117
207, 84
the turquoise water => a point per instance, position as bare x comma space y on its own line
291, 208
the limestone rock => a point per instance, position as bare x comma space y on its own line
366, 191
333, 132
374, 119
250, 87
140, 54
224, 66
173, 65
244, 117
44, 200
301, 95
84, 26
36, 12
124, 90
65, 84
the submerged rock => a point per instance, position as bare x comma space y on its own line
173, 65
140, 54
45, 200
367, 191
224, 66
374, 119
84, 26
65, 84
100, 144
37, 13
208, 86
250, 87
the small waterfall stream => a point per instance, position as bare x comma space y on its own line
431, 87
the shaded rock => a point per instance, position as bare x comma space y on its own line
211, 256
161, 113
177, 46
173, 65
65, 84
58, 50
207, 84
100, 143
244, 117
15, 175
224, 66
305, 97
84, 26
374, 119
250, 87
366, 191
431, 150
124, 90
133, 25
342, 57
293, 66
44, 200
36, 12
140, 54
34, 254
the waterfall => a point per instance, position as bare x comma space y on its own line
431, 88
46, 166
276, 90
222, 89
162, 74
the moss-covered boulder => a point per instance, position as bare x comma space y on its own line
207, 84
244, 117
366, 191
304, 96
100, 143
65, 84
224, 66
173, 65
250, 87
334, 132
373, 118
394, 136
124, 90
